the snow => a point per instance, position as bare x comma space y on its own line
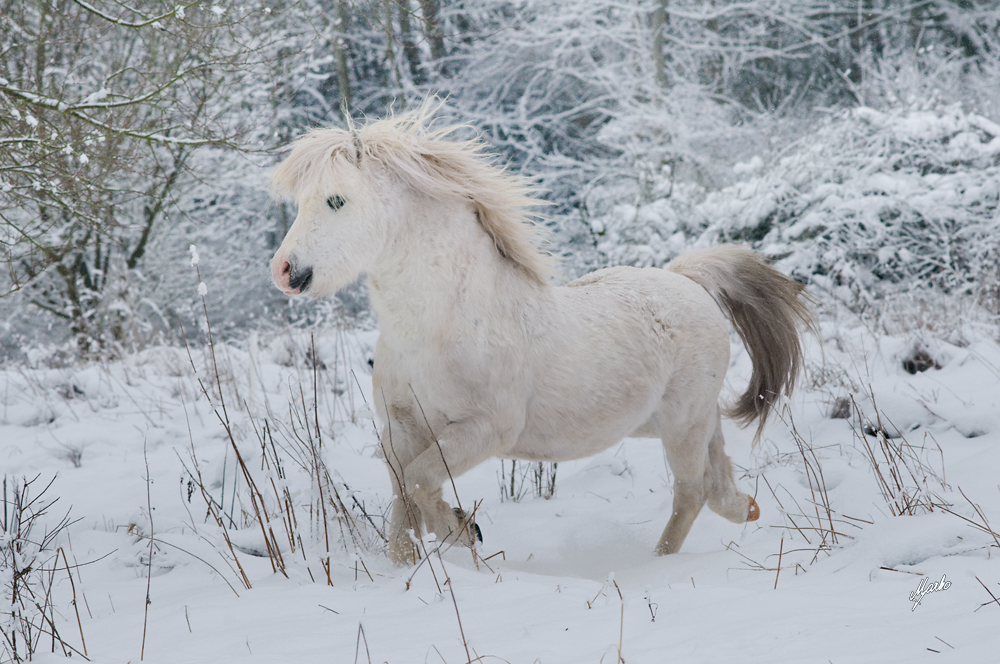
547, 581
861, 208
98, 96
866, 482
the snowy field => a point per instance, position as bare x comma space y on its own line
229, 503
826, 574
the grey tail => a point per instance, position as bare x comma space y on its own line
767, 309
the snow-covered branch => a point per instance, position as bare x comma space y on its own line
178, 12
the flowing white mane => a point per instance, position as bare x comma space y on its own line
431, 164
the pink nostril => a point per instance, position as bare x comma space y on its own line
281, 271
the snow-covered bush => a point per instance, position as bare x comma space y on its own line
875, 202
871, 203
28, 564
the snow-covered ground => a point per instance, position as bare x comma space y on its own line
567, 579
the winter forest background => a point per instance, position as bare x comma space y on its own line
855, 142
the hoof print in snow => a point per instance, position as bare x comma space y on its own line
918, 361
69, 391
840, 409
251, 550
873, 429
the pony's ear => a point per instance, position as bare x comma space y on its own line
355, 134
358, 146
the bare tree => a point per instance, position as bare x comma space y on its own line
658, 24
102, 107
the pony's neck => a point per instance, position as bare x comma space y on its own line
442, 272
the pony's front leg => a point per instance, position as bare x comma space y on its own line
406, 519
404, 529
462, 446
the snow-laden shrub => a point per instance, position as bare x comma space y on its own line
871, 203
877, 201
29, 561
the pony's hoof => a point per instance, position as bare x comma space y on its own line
754, 512
474, 532
404, 554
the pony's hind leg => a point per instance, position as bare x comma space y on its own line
722, 496
687, 455
702, 473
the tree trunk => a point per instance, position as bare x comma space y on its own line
712, 64
432, 27
410, 49
340, 52
660, 20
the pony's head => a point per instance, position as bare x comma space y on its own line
353, 187
341, 224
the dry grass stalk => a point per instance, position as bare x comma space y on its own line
820, 518
653, 606
541, 474
198, 558
304, 446
903, 475
76, 607
31, 613
984, 526
215, 508
149, 562
817, 490
458, 616
271, 462
994, 599
785, 512
357, 645
545, 479
306, 437
257, 502
777, 573
621, 623
306, 443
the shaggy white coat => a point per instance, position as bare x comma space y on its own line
479, 356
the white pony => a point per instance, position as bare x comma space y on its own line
481, 356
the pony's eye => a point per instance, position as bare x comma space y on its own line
335, 202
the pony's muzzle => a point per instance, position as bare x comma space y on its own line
299, 280
289, 279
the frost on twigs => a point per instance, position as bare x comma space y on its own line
28, 569
875, 202
870, 205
